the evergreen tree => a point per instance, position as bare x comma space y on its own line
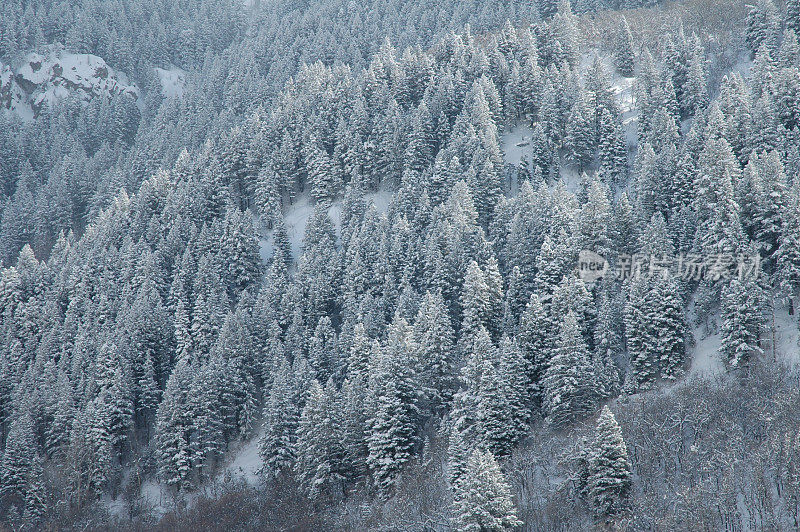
281, 415
207, 411
394, 394
174, 429
742, 323
239, 252
421, 143
320, 456
323, 173
535, 337
696, 90
17, 461
482, 497
772, 193
762, 26
434, 337
612, 150
541, 150
570, 385
623, 49
36, 500
608, 472
638, 337
788, 253
362, 349
322, 353
580, 134
671, 328
475, 303
793, 15
268, 195
486, 409
514, 374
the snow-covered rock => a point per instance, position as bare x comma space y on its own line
42, 79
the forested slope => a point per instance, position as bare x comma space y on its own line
435, 363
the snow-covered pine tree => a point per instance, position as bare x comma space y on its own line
535, 342
594, 220
552, 263
486, 409
541, 150
239, 252
608, 339
421, 143
207, 413
322, 353
772, 197
475, 303
793, 15
579, 140
671, 328
281, 415
482, 497
234, 354
623, 49
612, 150
742, 323
36, 499
394, 393
570, 385
323, 173
788, 253
624, 230
17, 460
696, 90
514, 373
320, 454
268, 195
639, 334
436, 357
762, 25
173, 429
608, 475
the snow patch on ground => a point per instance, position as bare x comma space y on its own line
707, 360
515, 143
787, 337
155, 496
173, 82
296, 219
622, 88
297, 215
245, 461
744, 65
705, 357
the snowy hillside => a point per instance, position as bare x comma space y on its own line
466, 265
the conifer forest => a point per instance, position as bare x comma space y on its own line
394, 265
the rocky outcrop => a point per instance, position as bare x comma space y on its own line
44, 79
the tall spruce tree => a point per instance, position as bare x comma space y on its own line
482, 497
608, 472
623, 49
570, 385
742, 323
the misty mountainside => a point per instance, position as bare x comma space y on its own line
470, 266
